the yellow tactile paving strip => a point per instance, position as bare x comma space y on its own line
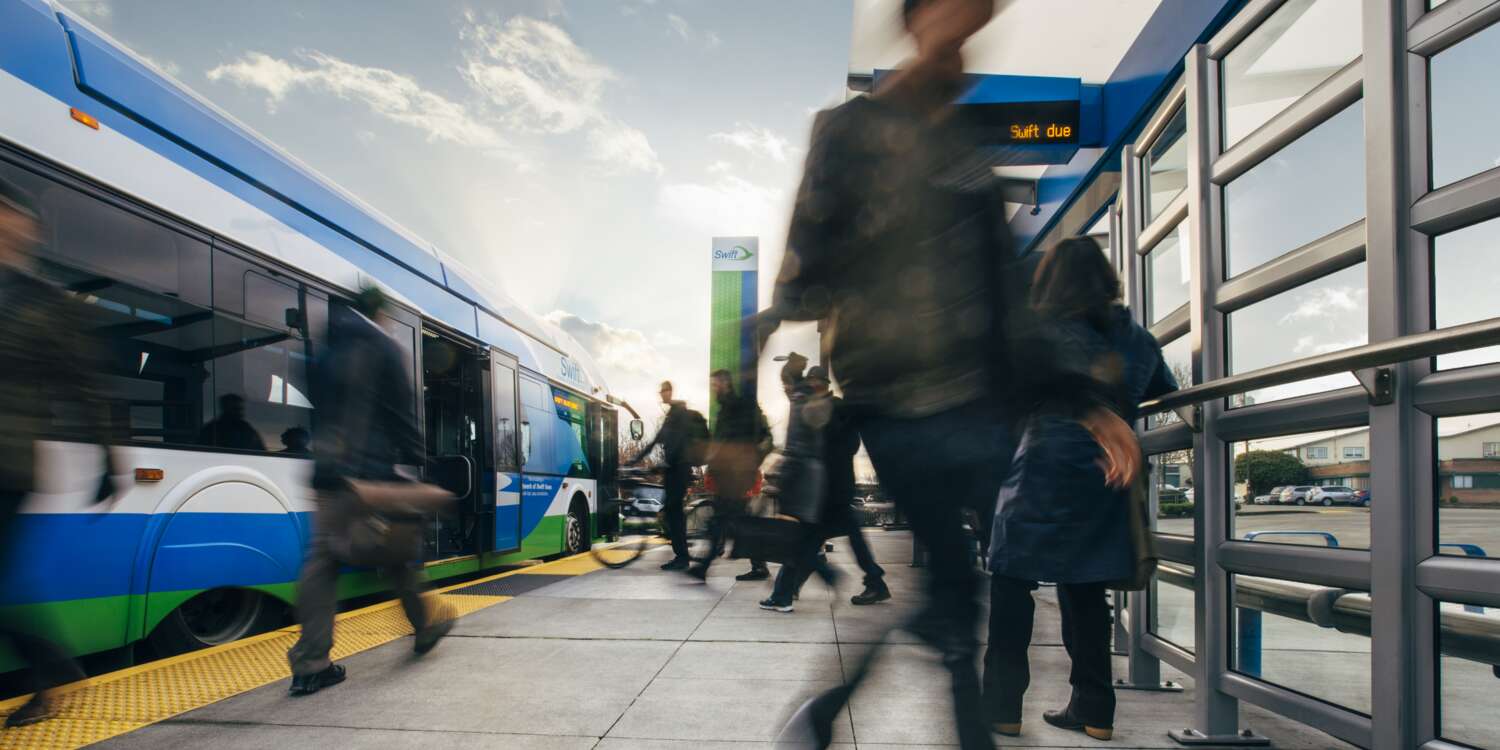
101, 707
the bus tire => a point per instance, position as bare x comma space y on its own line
576, 527
213, 618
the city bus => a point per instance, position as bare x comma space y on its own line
211, 263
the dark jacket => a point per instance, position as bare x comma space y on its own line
364, 424
673, 437
47, 357
1056, 519
738, 436
899, 243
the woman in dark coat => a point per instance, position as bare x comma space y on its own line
1057, 519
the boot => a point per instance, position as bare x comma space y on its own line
875, 591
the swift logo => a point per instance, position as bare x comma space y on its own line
738, 252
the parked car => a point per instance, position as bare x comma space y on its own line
645, 501
1362, 498
1274, 496
1296, 495
1331, 494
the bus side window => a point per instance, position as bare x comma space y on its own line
261, 374
144, 289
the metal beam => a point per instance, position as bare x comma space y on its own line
1339, 722
1468, 201
1334, 252
1449, 24
1325, 100
1336, 567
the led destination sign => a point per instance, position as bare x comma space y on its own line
1028, 123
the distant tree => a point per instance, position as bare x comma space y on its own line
1263, 470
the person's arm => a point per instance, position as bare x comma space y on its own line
802, 290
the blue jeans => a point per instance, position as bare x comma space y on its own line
936, 468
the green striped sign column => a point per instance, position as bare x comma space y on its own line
731, 343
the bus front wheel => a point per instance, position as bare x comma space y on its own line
212, 618
576, 528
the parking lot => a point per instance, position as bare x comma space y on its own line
1350, 525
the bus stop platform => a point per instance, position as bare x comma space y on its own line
567, 656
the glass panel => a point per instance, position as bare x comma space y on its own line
1465, 277
1178, 354
1468, 485
1166, 165
1306, 190
506, 455
1463, 100
1277, 641
1168, 275
1173, 591
1321, 316
1301, 45
1321, 499
261, 388
1172, 492
1469, 645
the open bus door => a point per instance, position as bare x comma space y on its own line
507, 465
457, 443
604, 453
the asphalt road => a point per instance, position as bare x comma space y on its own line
1351, 526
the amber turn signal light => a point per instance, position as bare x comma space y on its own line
149, 475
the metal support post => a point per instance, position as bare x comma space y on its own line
1216, 714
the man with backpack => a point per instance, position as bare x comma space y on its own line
741, 440
683, 438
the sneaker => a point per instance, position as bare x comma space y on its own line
699, 572
775, 606
307, 684
676, 563
442, 622
40, 708
754, 574
875, 591
1066, 720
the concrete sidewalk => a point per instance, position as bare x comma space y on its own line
639, 658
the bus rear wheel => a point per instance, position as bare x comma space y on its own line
213, 618
576, 528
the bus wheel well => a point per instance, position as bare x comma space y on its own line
214, 617
576, 531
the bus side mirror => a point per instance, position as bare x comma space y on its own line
637, 429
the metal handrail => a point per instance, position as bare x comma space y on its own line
1414, 346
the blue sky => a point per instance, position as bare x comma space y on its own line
579, 152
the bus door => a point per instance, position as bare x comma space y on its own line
457, 444
604, 456
507, 466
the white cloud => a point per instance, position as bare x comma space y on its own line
394, 96
632, 363
1324, 302
541, 81
730, 205
99, 10
685, 30
756, 140
623, 148
168, 67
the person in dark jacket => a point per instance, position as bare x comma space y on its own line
898, 242
230, 429
1058, 519
47, 358
826, 414
365, 428
677, 473
740, 443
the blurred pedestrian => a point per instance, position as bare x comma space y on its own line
676, 438
1058, 517
899, 243
49, 363
741, 440
365, 431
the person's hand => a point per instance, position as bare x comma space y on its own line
1122, 454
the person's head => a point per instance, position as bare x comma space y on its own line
817, 380
940, 28
1075, 280
666, 391
722, 383
20, 228
232, 405
295, 439
370, 302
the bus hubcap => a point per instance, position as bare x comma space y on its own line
221, 616
575, 534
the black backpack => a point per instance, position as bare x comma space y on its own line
695, 443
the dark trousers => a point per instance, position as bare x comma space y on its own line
50, 665
935, 467
861, 548
675, 486
317, 589
811, 560
1085, 632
